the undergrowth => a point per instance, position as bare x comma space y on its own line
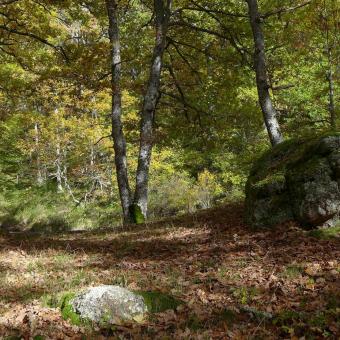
40, 210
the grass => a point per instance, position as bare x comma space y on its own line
326, 234
44, 211
244, 295
198, 278
292, 271
157, 302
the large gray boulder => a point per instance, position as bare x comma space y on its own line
111, 305
296, 180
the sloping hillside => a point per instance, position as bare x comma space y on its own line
235, 282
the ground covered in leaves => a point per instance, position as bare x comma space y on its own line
235, 282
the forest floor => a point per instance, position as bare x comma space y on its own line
235, 283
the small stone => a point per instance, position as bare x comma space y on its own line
112, 305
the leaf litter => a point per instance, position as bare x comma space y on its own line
235, 283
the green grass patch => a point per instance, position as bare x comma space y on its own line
63, 302
244, 295
194, 323
158, 302
326, 234
227, 315
292, 271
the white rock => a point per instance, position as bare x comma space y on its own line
112, 305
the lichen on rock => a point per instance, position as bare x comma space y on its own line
111, 305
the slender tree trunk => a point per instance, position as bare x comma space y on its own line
268, 110
59, 175
162, 16
331, 105
329, 75
40, 179
118, 137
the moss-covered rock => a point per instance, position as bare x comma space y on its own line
109, 305
298, 179
63, 301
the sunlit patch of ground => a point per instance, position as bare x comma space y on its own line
235, 282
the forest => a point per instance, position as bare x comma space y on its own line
169, 169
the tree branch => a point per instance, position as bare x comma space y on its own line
101, 138
285, 10
37, 38
201, 8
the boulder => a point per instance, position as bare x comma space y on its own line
296, 180
111, 305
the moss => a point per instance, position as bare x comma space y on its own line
278, 177
272, 193
271, 184
273, 160
277, 159
63, 302
308, 169
326, 234
286, 317
292, 271
136, 214
67, 311
158, 302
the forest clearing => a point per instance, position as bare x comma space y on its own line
169, 169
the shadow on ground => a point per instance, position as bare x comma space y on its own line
210, 260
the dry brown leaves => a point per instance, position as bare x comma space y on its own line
211, 261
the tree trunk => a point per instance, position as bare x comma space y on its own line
59, 175
118, 137
162, 16
331, 105
40, 179
268, 110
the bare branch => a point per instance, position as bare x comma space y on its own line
285, 10
186, 61
200, 8
179, 89
101, 138
37, 38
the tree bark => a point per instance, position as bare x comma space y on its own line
268, 110
331, 105
162, 16
58, 163
118, 137
329, 75
40, 179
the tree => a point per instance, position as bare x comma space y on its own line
330, 29
118, 137
207, 103
135, 209
268, 110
